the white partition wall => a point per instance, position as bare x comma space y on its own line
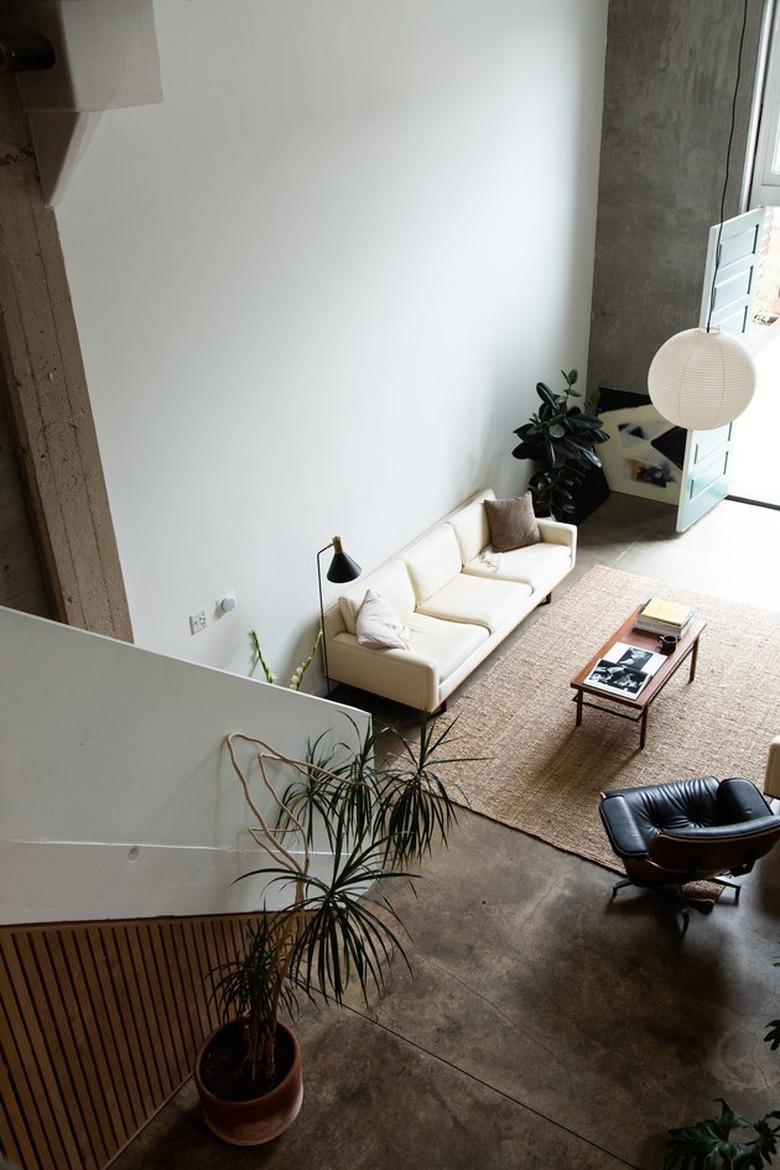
117, 799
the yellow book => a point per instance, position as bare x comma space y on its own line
666, 611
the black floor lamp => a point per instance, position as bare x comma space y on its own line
340, 570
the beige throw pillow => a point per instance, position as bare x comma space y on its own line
350, 607
379, 626
512, 523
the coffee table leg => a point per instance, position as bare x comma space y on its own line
579, 709
643, 729
694, 656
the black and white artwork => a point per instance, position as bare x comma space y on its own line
634, 658
616, 677
645, 452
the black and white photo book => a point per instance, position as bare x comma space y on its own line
625, 670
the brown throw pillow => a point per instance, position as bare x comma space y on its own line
512, 523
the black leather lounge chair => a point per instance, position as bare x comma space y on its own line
670, 834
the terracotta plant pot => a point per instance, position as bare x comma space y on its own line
250, 1123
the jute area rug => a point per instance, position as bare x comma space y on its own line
542, 775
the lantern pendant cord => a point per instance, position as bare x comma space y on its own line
728, 162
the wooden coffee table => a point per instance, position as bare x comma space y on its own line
687, 647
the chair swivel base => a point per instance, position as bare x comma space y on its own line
684, 905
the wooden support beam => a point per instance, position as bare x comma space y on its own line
43, 370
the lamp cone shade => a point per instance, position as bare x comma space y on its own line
700, 380
342, 568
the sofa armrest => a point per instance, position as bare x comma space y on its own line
772, 778
556, 532
400, 675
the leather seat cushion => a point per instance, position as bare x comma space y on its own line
535, 565
467, 598
633, 816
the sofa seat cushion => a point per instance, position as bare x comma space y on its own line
470, 598
536, 565
449, 643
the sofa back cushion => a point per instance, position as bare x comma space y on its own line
391, 582
471, 526
433, 561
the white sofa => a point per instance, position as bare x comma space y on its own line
456, 602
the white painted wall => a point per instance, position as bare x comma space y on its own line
117, 798
317, 286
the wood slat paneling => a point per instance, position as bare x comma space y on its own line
99, 1025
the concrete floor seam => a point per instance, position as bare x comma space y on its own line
492, 1088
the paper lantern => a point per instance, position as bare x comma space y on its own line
700, 380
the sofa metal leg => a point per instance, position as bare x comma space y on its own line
547, 599
621, 885
440, 710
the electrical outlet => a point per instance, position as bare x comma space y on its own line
197, 621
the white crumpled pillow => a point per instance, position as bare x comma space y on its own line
378, 625
490, 558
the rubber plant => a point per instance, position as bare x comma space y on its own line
709, 1144
335, 930
561, 439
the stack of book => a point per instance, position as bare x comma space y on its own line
664, 617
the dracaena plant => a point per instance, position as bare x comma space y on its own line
336, 929
561, 439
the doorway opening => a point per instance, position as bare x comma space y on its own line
753, 466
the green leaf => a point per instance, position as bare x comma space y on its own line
546, 394
528, 451
707, 1145
557, 430
259, 660
772, 1037
540, 481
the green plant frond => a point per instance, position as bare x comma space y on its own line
772, 1037
343, 939
280, 875
414, 811
707, 1145
300, 672
251, 986
259, 660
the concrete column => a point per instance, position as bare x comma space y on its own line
670, 74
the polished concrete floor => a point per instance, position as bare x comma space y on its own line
545, 1027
